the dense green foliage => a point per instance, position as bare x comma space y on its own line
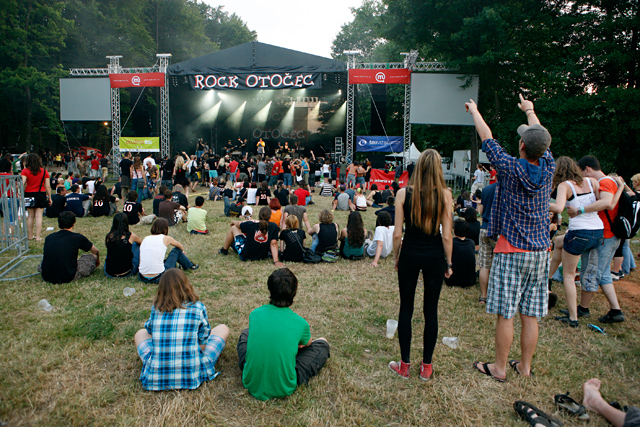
578, 60
44, 38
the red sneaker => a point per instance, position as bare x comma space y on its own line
400, 368
426, 371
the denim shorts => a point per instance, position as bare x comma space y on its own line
288, 179
576, 242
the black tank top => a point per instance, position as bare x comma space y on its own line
119, 256
414, 237
327, 237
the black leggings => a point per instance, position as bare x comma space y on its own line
433, 269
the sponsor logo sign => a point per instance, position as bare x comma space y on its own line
135, 143
137, 80
380, 143
382, 178
388, 76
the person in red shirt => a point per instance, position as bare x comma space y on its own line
233, 168
493, 175
37, 186
302, 192
95, 167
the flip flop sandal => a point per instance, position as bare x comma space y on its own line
482, 300
535, 416
487, 372
514, 365
573, 407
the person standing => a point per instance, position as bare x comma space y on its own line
37, 190
125, 172
422, 207
520, 221
478, 179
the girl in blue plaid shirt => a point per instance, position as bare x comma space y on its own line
177, 346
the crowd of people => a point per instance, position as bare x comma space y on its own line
421, 226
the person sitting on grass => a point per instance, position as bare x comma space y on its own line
171, 211
390, 209
253, 240
135, 212
352, 237
60, 262
381, 245
325, 233
263, 195
158, 199
152, 252
76, 201
197, 218
292, 240
235, 210
179, 196
280, 356
297, 210
374, 199
177, 346
360, 201
463, 257
101, 205
123, 249
276, 212
342, 201
58, 201
593, 401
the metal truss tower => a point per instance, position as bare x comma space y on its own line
115, 68
409, 63
165, 132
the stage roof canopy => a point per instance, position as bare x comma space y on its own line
256, 57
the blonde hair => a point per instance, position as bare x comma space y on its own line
292, 222
635, 179
179, 162
428, 187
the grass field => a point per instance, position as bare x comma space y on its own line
77, 364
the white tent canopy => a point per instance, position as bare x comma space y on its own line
414, 153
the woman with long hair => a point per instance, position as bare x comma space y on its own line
253, 240
100, 203
123, 249
178, 326
37, 193
180, 172
276, 212
139, 183
352, 237
423, 207
585, 231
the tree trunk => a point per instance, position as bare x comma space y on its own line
29, 117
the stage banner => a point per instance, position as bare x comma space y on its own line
383, 144
256, 81
137, 80
390, 76
135, 143
382, 178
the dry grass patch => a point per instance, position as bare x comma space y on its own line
77, 364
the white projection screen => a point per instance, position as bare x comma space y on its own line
85, 99
438, 99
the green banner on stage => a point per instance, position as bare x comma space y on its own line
139, 143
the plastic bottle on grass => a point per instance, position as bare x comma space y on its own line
43, 304
450, 341
128, 292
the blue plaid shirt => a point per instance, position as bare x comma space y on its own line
176, 361
520, 210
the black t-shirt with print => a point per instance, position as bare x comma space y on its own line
132, 209
257, 245
261, 196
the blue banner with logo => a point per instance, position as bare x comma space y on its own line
380, 143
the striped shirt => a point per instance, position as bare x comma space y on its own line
520, 210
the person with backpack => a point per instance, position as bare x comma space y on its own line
623, 261
607, 208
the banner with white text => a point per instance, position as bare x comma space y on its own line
383, 144
382, 178
260, 81
139, 143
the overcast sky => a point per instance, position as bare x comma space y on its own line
300, 25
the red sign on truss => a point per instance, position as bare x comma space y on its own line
386, 76
137, 80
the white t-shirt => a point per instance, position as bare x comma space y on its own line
384, 234
152, 252
479, 176
251, 196
91, 187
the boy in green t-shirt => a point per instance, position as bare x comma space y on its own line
276, 353
197, 217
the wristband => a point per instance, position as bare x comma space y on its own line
581, 210
449, 266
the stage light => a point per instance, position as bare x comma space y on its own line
261, 116
339, 91
210, 115
235, 119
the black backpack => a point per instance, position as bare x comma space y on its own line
625, 225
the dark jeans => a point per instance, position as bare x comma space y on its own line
409, 266
309, 360
176, 256
168, 183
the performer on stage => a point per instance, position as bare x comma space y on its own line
260, 148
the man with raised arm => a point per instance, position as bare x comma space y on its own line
520, 222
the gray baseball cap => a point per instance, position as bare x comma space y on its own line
536, 138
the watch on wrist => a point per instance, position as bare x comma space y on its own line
448, 266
